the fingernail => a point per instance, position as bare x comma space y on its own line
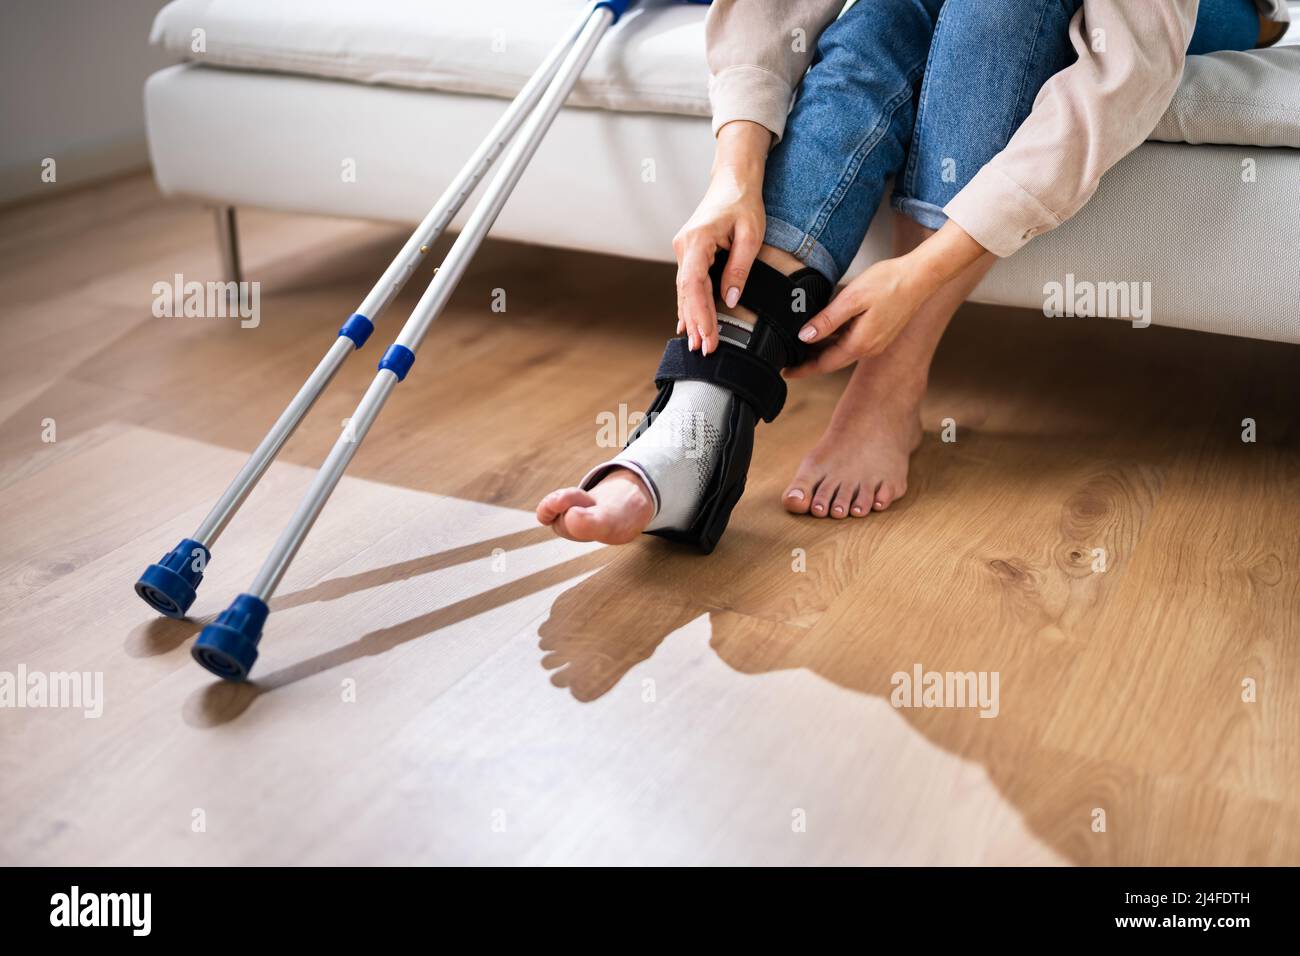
732, 297
704, 346
680, 325
795, 494
807, 333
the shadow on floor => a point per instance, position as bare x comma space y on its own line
221, 701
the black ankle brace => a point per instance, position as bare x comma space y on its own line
752, 373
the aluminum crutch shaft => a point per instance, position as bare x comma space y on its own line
228, 646
169, 586
398, 359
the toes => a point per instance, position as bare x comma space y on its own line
842, 500
558, 502
578, 524
864, 499
821, 502
838, 494
887, 494
599, 523
798, 497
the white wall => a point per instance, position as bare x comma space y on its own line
71, 80
1293, 34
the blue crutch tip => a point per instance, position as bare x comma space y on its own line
228, 646
169, 586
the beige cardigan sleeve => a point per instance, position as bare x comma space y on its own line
1085, 119
758, 51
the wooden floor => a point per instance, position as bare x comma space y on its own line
524, 699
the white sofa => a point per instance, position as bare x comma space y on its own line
277, 96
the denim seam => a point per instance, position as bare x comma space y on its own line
1024, 72
868, 143
909, 172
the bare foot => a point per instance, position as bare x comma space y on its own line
860, 463
615, 511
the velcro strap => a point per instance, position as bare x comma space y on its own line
784, 303
748, 377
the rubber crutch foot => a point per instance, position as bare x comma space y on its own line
169, 586
228, 646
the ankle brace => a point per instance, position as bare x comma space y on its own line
694, 445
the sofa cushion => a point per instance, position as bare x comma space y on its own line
653, 59
1220, 253
1249, 98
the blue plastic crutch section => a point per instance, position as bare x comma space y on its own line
228, 646
616, 7
357, 328
169, 586
619, 7
398, 360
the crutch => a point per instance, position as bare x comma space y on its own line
228, 646
169, 586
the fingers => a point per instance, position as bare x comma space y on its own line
695, 312
843, 307
695, 248
744, 250
859, 336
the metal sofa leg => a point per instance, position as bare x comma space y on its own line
228, 244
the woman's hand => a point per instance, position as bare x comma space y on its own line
871, 310
730, 217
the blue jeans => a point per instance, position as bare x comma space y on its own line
925, 92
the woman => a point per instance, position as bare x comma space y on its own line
994, 118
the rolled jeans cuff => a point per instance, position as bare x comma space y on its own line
782, 235
925, 214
